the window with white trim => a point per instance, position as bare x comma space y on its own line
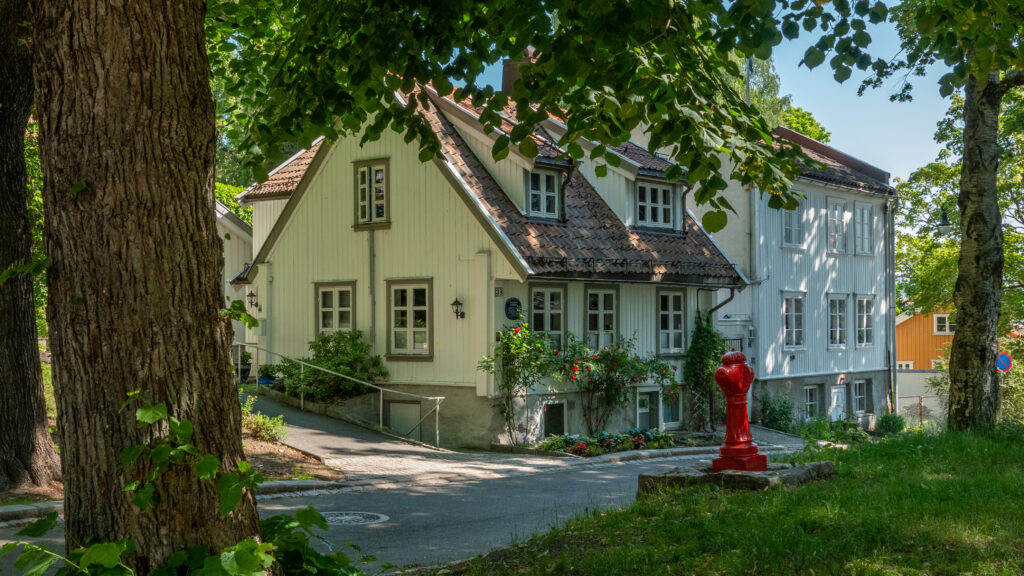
836, 225
793, 320
860, 396
671, 327
864, 222
810, 401
543, 196
372, 192
601, 310
548, 309
944, 324
837, 320
334, 308
865, 320
793, 227
410, 319
654, 205
905, 365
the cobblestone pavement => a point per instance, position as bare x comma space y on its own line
368, 458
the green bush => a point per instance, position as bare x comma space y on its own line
259, 425
777, 411
891, 423
346, 353
838, 432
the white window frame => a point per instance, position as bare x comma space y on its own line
865, 321
947, 331
410, 308
646, 207
839, 330
793, 221
671, 334
811, 399
905, 365
601, 336
371, 195
335, 310
549, 188
860, 396
864, 223
835, 237
796, 327
556, 337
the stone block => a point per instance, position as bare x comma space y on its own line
776, 475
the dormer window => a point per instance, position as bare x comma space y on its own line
543, 194
654, 205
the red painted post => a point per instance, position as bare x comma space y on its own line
738, 452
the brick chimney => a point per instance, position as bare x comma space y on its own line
510, 69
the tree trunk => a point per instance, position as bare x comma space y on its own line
974, 385
127, 145
27, 454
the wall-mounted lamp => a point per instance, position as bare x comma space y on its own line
251, 298
457, 308
945, 227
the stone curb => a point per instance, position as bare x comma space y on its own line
18, 512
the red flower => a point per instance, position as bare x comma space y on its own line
517, 330
556, 352
674, 367
573, 376
594, 357
588, 368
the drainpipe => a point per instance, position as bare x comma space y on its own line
269, 303
890, 282
373, 292
732, 294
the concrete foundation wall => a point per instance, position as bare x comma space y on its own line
917, 402
794, 388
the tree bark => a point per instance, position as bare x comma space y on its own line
974, 385
127, 145
27, 454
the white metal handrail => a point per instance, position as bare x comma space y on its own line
302, 398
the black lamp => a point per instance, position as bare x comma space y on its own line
945, 227
251, 298
457, 308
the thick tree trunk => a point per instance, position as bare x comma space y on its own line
974, 385
27, 454
127, 144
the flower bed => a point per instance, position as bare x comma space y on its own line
603, 443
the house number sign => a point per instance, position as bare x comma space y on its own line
512, 308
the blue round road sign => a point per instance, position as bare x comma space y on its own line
1003, 362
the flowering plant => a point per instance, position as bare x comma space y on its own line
519, 363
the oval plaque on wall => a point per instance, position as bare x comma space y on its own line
512, 308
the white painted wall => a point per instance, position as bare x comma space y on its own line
264, 214
237, 248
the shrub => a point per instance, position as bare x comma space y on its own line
635, 439
259, 425
777, 411
891, 423
702, 360
519, 363
838, 432
344, 352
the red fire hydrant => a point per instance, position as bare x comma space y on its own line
738, 451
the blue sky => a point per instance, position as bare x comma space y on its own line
893, 136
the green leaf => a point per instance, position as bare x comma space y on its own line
144, 498
813, 57
34, 560
132, 486
106, 554
790, 29
311, 517
528, 148
207, 466
182, 429
842, 74
39, 527
7, 548
601, 170
151, 414
77, 188
575, 150
500, 149
130, 454
715, 220
229, 499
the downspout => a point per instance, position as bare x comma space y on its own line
269, 303
732, 294
890, 333
755, 287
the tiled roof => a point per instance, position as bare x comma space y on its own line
839, 168
651, 164
547, 148
592, 243
285, 178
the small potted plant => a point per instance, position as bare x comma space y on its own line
267, 375
245, 361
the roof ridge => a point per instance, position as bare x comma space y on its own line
833, 153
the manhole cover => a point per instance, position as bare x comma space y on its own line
353, 518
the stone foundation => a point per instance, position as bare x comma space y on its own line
776, 475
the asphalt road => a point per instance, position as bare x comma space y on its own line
442, 523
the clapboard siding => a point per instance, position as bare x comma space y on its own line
818, 273
432, 235
264, 214
237, 249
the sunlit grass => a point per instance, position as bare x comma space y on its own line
945, 504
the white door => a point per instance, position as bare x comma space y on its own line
838, 409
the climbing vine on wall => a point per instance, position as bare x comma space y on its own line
702, 359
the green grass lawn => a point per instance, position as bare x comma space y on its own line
942, 504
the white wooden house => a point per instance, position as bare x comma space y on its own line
236, 237
368, 237
817, 321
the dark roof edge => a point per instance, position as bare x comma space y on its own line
830, 152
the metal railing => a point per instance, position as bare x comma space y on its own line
437, 400
919, 410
